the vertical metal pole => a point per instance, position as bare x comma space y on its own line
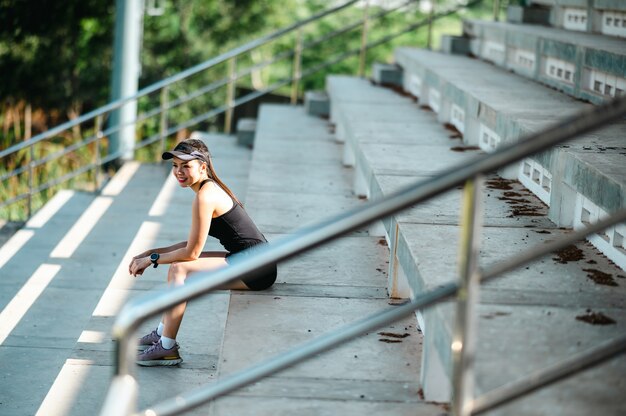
28, 122
97, 159
163, 119
464, 340
126, 71
496, 10
230, 94
31, 180
363, 53
297, 73
431, 12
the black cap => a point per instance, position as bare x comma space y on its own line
184, 151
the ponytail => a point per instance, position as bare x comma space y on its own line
213, 176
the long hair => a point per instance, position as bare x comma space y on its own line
199, 146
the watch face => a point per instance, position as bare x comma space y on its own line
154, 256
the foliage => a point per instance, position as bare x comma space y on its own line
55, 54
55, 57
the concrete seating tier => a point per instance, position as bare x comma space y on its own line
586, 66
528, 319
580, 181
296, 178
71, 279
597, 16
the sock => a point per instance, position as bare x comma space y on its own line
168, 343
160, 329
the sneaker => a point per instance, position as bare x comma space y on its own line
148, 340
157, 355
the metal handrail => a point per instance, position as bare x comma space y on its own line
163, 110
166, 106
174, 78
198, 396
139, 309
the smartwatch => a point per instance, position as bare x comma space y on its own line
154, 257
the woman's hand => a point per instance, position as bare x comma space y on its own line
138, 265
138, 256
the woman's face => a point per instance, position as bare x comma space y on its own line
189, 172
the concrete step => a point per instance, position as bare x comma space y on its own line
583, 65
30, 246
167, 222
598, 16
527, 320
490, 106
317, 292
64, 342
70, 276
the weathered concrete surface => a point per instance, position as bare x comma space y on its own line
513, 108
582, 50
320, 291
349, 404
528, 319
58, 359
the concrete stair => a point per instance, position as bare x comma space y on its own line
584, 65
71, 279
63, 339
297, 179
597, 16
528, 319
490, 106
63, 276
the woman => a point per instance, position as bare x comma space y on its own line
216, 212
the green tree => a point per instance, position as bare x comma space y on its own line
55, 55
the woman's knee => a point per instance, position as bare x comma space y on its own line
177, 273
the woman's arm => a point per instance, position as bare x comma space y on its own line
161, 250
202, 211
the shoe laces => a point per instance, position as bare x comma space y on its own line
152, 347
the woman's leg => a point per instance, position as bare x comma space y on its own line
176, 276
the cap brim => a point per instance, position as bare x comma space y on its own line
180, 155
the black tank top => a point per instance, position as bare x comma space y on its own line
235, 229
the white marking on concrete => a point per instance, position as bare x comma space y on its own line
457, 117
434, 99
489, 140
604, 83
116, 292
494, 51
92, 337
15, 243
13, 313
66, 387
536, 178
52, 207
81, 228
121, 179
415, 85
611, 241
575, 19
614, 23
560, 70
161, 202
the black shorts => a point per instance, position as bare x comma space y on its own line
259, 279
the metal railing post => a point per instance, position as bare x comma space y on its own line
31, 181
297, 72
464, 339
138, 310
496, 10
230, 94
163, 119
97, 158
431, 13
363, 52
